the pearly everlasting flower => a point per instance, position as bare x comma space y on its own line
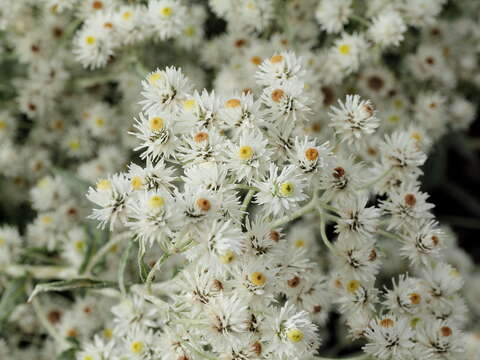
388, 29
291, 334
111, 195
281, 193
389, 337
353, 118
333, 15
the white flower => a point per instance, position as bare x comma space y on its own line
249, 157
153, 217
165, 17
408, 296
332, 15
387, 29
111, 195
291, 334
281, 193
406, 206
440, 339
354, 118
165, 91
389, 337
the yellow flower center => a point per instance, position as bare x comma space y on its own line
454, 272
166, 11
126, 15
2, 241
137, 182
100, 121
287, 188
74, 144
3, 125
156, 123
299, 243
353, 286
153, 78
295, 335
46, 219
43, 182
79, 246
398, 103
245, 152
414, 322
393, 119
416, 136
232, 103
87, 357
276, 59
258, 279
189, 104
189, 31
228, 257
103, 184
107, 333
137, 347
344, 49
156, 202
90, 40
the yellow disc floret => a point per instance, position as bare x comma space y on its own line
137, 182
228, 257
126, 15
103, 184
137, 347
232, 103
153, 78
166, 11
90, 40
287, 188
353, 286
80, 246
156, 123
245, 152
344, 49
295, 335
189, 104
156, 201
258, 279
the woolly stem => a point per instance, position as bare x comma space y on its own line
103, 250
155, 267
323, 233
37, 307
247, 199
373, 182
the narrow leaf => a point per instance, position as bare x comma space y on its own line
66, 285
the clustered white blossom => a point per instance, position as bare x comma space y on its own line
251, 186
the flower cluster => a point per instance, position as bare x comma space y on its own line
225, 175
266, 200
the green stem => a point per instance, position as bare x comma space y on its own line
373, 182
296, 214
103, 250
246, 187
155, 267
247, 200
37, 307
39, 271
323, 233
360, 20
389, 234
